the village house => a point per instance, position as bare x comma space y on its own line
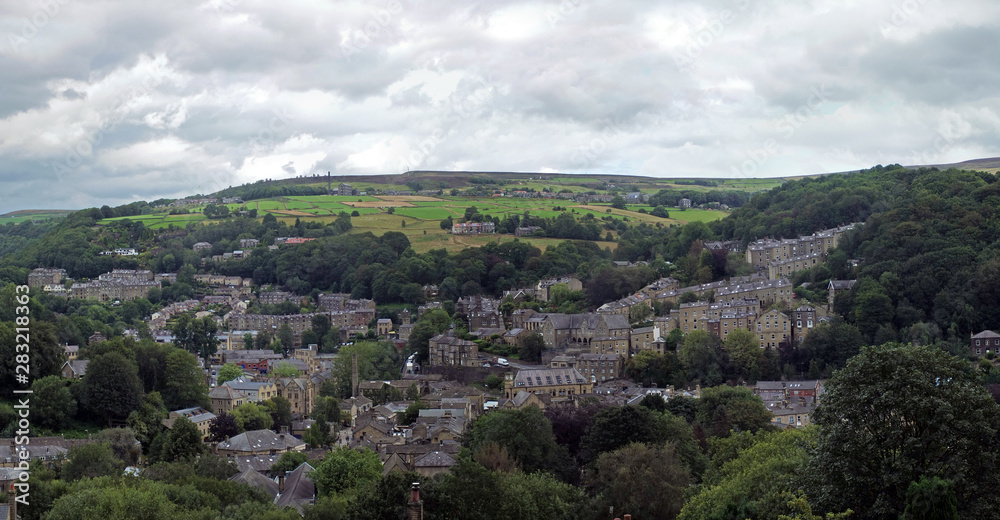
448, 350
773, 328
225, 399
259, 442
197, 415
983, 343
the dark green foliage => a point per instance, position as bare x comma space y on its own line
527, 435
91, 460
532, 347
723, 409
181, 442
897, 413
345, 470
111, 386
52, 404
931, 499
647, 481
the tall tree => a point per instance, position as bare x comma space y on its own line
346, 470
646, 481
745, 353
722, 409
111, 386
185, 384
52, 404
527, 436
532, 348
897, 413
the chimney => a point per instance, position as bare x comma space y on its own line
12, 502
354, 375
415, 507
281, 482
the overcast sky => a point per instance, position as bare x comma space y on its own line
107, 102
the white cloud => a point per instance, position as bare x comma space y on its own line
149, 100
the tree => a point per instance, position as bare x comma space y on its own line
745, 353
251, 416
699, 357
318, 434
46, 353
931, 499
618, 426
749, 474
286, 336
532, 347
196, 335
182, 441
618, 202
123, 443
223, 427
280, 410
111, 386
647, 481
527, 436
147, 420
289, 461
286, 369
722, 409
52, 404
346, 470
896, 413
185, 383
321, 325
91, 460
228, 372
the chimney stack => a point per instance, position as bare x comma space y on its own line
415, 507
12, 502
354, 375
281, 482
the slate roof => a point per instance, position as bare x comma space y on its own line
299, 488
548, 377
79, 366
226, 392
986, 334
434, 459
257, 440
258, 463
256, 479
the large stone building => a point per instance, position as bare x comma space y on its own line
119, 284
448, 350
45, 276
561, 384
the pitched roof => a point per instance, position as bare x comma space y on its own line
226, 392
255, 479
299, 488
257, 463
257, 440
79, 366
986, 334
435, 459
548, 377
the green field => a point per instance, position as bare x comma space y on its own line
697, 215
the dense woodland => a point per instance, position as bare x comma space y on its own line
908, 418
